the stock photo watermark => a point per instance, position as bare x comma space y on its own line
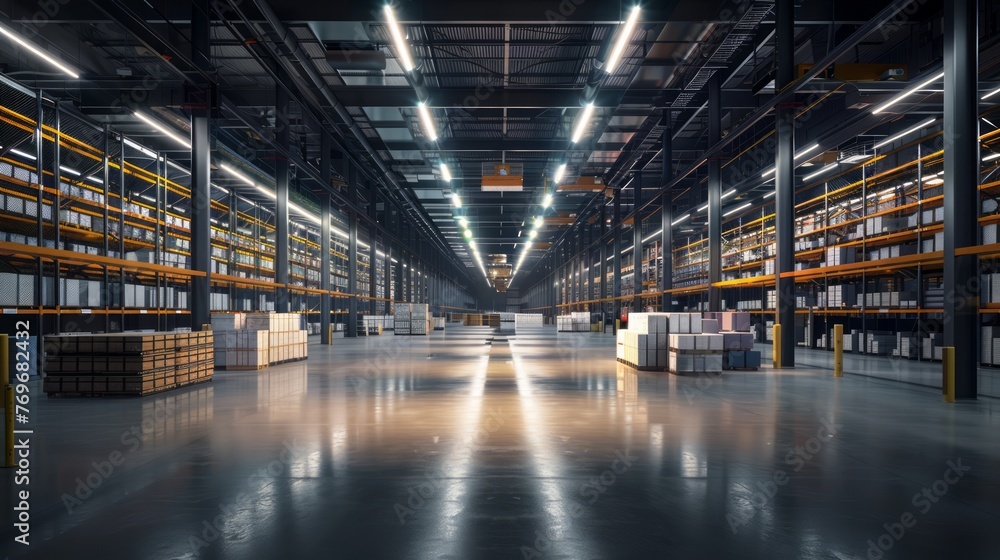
922, 503
796, 459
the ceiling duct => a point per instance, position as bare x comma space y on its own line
354, 59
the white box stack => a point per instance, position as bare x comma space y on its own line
241, 349
419, 319
401, 318
288, 346
574, 322
528, 321
438, 323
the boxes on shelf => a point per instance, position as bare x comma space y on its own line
528, 321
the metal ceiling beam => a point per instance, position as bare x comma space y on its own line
470, 99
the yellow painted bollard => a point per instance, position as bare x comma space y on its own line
8, 399
838, 350
948, 371
777, 346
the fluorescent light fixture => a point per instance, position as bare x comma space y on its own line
935, 182
456, 200
624, 34
136, 146
445, 172
737, 209
539, 221
69, 170
93, 179
822, 171
472, 244
802, 153
681, 220
163, 129
769, 195
468, 234
856, 158
703, 208
728, 194
25, 155
225, 167
582, 121
463, 222
428, 121
652, 237
991, 157
908, 92
533, 234
560, 171
37, 52
547, 201
402, 50
906, 132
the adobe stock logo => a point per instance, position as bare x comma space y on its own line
924, 501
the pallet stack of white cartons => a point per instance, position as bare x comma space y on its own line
685, 323
439, 323
650, 333
401, 318
528, 321
241, 349
581, 321
419, 319
696, 353
281, 322
288, 346
375, 321
507, 323
564, 323
228, 322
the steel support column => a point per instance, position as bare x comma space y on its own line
714, 196
616, 264
637, 243
201, 176
784, 183
351, 324
325, 230
667, 211
961, 193
282, 178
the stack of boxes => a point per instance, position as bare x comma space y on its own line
439, 323
574, 322
737, 339
412, 318
507, 322
401, 318
473, 320
256, 340
376, 322
126, 363
671, 341
528, 321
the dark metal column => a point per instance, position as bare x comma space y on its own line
351, 325
201, 175
604, 259
387, 258
714, 196
372, 242
281, 179
667, 211
637, 243
325, 231
784, 184
616, 264
961, 193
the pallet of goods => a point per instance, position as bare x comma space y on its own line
574, 322
473, 320
439, 323
528, 321
126, 363
242, 349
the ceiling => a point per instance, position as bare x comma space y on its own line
505, 83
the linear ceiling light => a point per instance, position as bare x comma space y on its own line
456, 200
624, 34
822, 171
582, 121
37, 51
428, 121
560, 172
163, 129
908, 92
402, 50
445, 172
906, 132
735, 210
681, 220
798, 156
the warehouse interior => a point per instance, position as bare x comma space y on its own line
530, 279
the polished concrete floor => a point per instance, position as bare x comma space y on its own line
444, 447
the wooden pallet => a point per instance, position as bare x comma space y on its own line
642, 368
